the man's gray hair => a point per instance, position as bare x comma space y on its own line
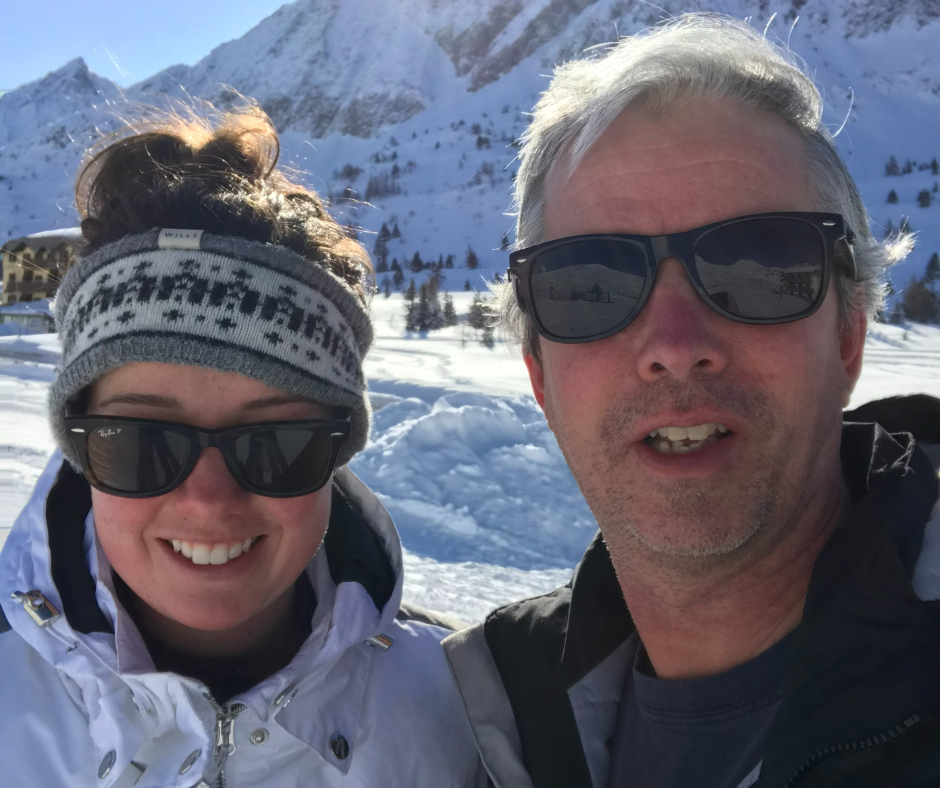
691, 57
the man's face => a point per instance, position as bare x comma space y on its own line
778, 389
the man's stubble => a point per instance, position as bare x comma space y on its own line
688, 523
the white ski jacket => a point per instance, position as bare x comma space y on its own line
367, 701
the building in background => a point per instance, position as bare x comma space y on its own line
35, 317
30, 265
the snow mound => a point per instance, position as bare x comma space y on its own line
475, 477
470, 590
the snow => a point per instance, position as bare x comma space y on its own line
461, 454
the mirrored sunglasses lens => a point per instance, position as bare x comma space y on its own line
283, 460
586, 288
133, 458
762, 268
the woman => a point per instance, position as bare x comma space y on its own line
198, 592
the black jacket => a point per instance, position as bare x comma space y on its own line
541, 678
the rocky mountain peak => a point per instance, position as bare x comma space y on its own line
67, 90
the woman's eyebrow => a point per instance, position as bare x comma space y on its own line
163, 401
152, 400
276, 399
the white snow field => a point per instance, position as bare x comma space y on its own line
460, 454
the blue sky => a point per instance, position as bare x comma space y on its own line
125, 41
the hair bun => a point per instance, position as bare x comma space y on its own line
215, 171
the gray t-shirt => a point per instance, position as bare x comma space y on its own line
707, 732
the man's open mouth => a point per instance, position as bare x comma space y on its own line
682, 440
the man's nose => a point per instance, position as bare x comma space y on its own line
678, 334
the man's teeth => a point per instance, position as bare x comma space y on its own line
200, 553
681, 440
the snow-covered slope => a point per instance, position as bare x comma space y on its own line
430, 94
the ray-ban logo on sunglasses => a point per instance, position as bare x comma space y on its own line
109, 432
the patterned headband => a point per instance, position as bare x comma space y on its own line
222, 302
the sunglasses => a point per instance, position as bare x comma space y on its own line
762, 269
143, 458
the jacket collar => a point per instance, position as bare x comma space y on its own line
866, 653
357, 577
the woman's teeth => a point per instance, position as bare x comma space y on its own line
200, 553
682, 440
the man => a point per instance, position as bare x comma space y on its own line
759, 607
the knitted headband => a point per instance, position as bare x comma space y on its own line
222, 302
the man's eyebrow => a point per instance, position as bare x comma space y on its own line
276, 399
152, 400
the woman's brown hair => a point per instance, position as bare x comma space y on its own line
213, 171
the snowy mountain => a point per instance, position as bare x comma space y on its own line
423, 99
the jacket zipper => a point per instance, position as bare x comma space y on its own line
224, 733
862, 744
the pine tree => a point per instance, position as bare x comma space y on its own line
932, 274
384, 234
504, 245
905, 228
417, 264
924, 198
449, 261
921, 303
892, 196
395, 266
450, 314
396, 233
892, 168
435, 313
427, 315
410, 307
381, 266
466, 286
472, 261
398, 278
476, 317
907, 168
386, 287
436, 279
487, 339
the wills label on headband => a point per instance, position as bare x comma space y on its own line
179, 239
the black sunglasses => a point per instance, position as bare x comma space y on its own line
143, 458
763, 269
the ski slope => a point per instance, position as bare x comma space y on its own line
460, 453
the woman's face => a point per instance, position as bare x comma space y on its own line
209, 510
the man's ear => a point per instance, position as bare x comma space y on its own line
852, 350
537, 379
